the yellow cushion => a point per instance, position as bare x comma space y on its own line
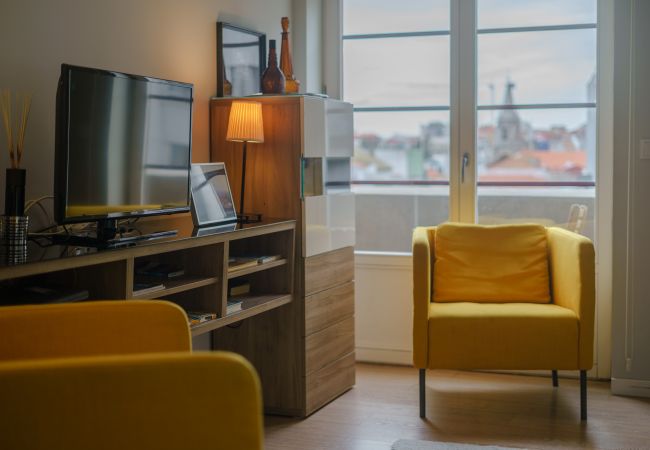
523, 336
496, 264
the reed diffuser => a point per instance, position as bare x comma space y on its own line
16, 177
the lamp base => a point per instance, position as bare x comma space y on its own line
249, 218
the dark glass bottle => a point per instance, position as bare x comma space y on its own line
291, 85
273, 79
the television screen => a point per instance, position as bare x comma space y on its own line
123, 145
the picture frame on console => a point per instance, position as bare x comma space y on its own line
212, 203
241, 55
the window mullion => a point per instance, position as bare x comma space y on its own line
454, 117
463, 112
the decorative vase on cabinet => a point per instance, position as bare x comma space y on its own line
273, 81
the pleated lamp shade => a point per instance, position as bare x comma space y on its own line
245, 122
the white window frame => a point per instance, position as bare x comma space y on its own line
463, 108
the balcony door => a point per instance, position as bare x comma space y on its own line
470, 110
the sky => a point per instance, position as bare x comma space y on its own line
546, 66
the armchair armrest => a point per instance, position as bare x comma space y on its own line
92, 328
573, 282
423, 257
162, 401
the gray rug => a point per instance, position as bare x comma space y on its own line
408, 444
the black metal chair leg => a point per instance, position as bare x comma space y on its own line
583, 395
423, 398
554, 375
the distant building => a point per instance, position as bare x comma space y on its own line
434, 137
539, 165
510, 133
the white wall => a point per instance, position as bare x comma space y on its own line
383, 308
332, 48
172, 39
631, 284
306, 41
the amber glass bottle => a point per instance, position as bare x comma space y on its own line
292, 85
273, 79
227, 85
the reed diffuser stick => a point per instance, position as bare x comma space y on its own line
5, 105
20, 145
24, 102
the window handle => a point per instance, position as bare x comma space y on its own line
462, 168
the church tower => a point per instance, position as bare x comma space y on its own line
509, 137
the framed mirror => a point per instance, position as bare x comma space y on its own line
240, 60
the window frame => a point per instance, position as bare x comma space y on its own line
463, 105
332, 81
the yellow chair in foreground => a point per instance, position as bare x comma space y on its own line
120, 375
505, 297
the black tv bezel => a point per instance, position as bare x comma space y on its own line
62, 142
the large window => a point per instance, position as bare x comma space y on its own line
530, 66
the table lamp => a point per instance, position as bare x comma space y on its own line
245, 125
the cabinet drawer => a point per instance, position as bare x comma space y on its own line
328, 345
328, 307
330, 382
328, 270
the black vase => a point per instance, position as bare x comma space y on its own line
15, 192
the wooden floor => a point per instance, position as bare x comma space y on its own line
468, 407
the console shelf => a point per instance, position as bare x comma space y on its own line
203, 259
251, 307
250, 270
177, 286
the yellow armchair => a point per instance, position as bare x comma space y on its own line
531, 334
120, 375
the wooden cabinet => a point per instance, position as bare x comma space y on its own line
302, 172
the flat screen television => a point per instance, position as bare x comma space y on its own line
123, 146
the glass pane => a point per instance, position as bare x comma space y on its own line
392, 151
537, 145
397, 71
401, 146
522, 13
390, 16
386, 215
568, 207
542, 67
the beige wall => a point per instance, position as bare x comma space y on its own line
172, 39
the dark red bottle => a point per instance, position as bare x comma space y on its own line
273, 80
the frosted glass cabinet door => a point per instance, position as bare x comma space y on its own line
340, 129
314, 144
329, 223
328, 145
327, 128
